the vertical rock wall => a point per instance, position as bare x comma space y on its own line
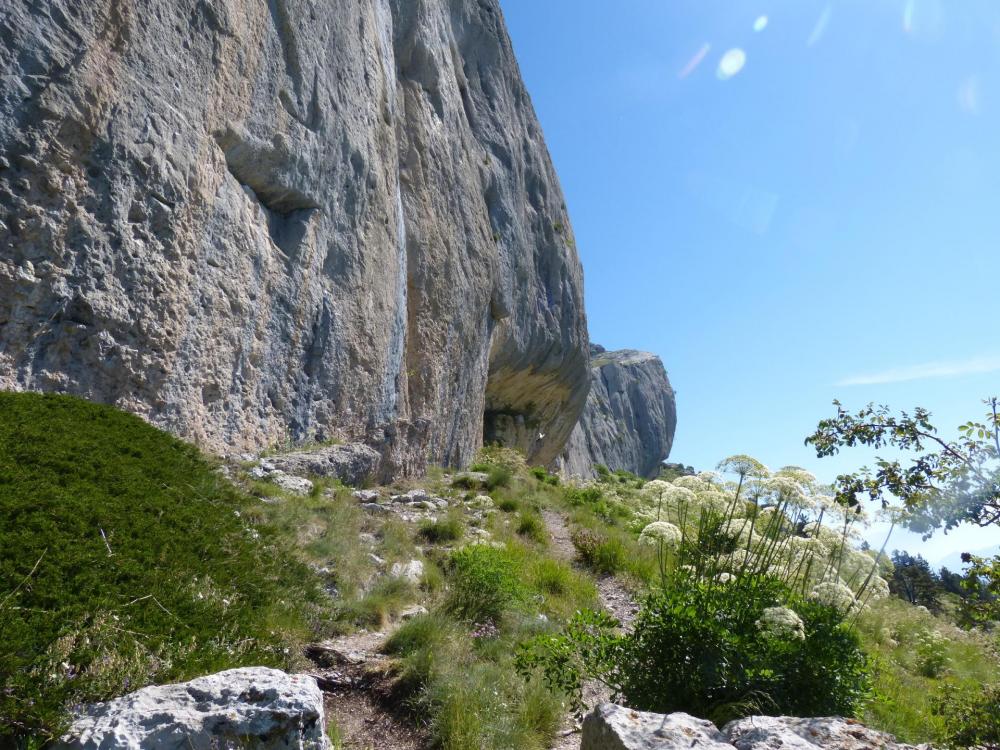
252, 221
630, 417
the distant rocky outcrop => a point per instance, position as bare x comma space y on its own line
253, 707
614, 727
261, 222
630, 416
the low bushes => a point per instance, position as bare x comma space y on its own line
126, 560
716, 650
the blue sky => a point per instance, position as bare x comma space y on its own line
789, 202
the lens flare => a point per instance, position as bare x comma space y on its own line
908, 12
695, 61
760, 24
820, 28
731, 63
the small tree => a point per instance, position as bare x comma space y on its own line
949, 481
913, 580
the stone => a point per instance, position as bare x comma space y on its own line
290, 483
252, 707
629, 420
482, 501
376, 509
351, 464
833, 733
414, 496
613, 727
288, 221
413, 571
470, 479
366, 496
415, 610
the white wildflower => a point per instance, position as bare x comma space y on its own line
691, 483
782, 622
836, 595
661, 532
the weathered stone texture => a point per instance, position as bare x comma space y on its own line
256, 708
630, 416
255, 221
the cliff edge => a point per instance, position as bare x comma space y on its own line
630, 417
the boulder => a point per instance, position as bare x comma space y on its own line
786, 732
629, 420
614, 727
472, 480
412, 571
241, 708
291, 483
352, 464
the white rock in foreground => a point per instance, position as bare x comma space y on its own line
791, 733
613, 727
253, 707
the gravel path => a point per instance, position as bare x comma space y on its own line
352, 674
613, 597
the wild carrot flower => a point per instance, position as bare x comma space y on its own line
782, 622
661, 532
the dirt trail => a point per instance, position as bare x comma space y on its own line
613, 597
353, 675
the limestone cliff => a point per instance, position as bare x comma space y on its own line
630, 417
258, 220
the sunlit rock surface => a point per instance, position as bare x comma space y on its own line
262, 222
630, 416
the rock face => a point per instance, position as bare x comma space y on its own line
613, 727
251, 222
771, 732
247, 708
630, 416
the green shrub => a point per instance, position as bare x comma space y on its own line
542, 475
971, 716
126, 560
509, 505
498, 476
376, 607
448, 529
932, 653
532, 526
603, 554
715, 650
485, 581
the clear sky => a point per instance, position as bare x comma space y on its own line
789, 202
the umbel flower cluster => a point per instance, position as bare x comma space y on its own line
782, 623
748, 520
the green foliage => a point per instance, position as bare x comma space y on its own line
700, 647
971, 716
542, 475
953, 482
530, 525
485, 582
126, 560
932, 653
508, 505
604, 554
913, 580
448, 529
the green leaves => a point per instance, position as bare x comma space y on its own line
943, 484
